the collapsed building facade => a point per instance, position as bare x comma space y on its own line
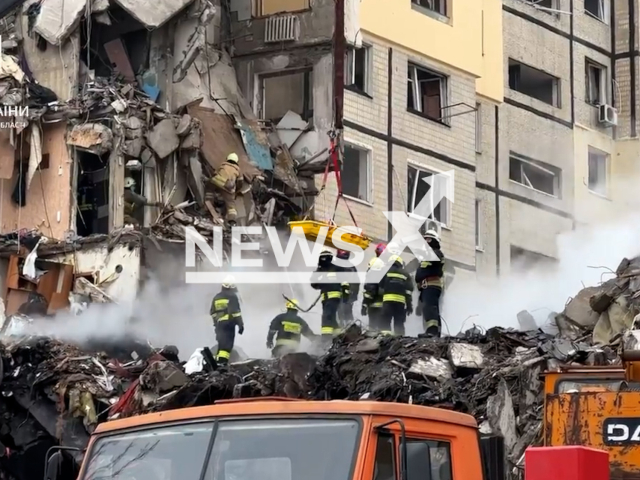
97, 91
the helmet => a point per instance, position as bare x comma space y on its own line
376, 264
397, 259
292, 305
129, 182
229, 282
232, 158
432, 234
380, 248
394, 248
326, 253
343, 254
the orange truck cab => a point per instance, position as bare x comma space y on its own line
597, 407
282, 439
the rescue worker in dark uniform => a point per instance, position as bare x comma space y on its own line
226, 315
397, 290
287, 328
350, 292
372, 298
331, 294
430, 282
132, 201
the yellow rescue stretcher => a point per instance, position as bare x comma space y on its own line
312, 229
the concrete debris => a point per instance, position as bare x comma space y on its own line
153, 13
91, 137
58, 19
163, 138
465, 356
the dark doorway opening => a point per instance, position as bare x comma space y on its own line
93, 194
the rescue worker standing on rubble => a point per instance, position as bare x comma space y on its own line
397, 290
430, 281
325, 279
350, 292
227, 181
226, 315
372, 296
133, 201
287, 328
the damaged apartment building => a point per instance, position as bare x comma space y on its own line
128, 88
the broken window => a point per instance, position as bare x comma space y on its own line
435, 206
598, 171
357, 68
597, 8
426, 92
527, 259
534, 83
356, 173
115, 42
595, 83
437, 6
92, 215
271, 7
287, 91
428, 460
539, 176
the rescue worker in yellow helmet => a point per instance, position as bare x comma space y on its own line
397, 292
325, 279
287, 328
133, 201
227, 181
226, 315
430, 281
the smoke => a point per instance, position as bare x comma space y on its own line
587, 256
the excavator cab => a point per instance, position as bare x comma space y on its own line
597, 407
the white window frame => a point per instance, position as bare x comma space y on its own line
479, 229
592, 69
528, 184
603, 11
554, 5
478, 127
607, 166
448, 206
369, 151
444, 91
350, 66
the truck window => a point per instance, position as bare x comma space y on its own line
428, 460
385, 468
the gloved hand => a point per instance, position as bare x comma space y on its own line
363, 310
419, 309
241, 330
409, 309
269, 344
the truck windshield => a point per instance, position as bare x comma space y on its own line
256, 449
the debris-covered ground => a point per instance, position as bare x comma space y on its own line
56, 394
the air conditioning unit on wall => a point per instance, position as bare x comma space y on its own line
608, 115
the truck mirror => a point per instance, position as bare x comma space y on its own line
54, 466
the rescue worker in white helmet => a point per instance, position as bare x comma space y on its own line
226, 315
133, 201
397, 292
430, 282
287, 328
227, 181
325, 279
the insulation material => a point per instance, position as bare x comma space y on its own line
58, 18
153, 13
256, 143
